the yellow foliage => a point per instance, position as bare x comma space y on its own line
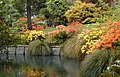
83, 12
30, 72
92, 39
31, 35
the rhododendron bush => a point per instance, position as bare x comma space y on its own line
101, 37
112, 38
37, 24
92, 38
104, 44
61, 34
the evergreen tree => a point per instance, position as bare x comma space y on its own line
7, 12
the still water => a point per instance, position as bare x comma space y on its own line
52, 66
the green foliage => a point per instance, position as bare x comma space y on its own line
70, 2
61, 37
95, 63
72, 48
114, 13
20, 5
38, 47
37, 5
85, 12
57, 8
110, 12
113, 70
7, 37
8, 13
104, 10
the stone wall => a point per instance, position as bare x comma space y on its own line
22, 50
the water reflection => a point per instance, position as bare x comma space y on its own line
55, 66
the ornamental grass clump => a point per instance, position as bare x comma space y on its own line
113, 70
94, 64
37, 45
71, 48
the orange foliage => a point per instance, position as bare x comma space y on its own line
112, 36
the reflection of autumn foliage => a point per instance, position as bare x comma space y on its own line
112, 38
30, 72
7, 68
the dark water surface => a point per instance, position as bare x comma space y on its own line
54, 66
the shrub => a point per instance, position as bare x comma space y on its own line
22, 25
57, 9
105, 51
101, 37
7, 38
92, 39
86, 12
61, 34
112, 38
32, 35
76, 25
114, 13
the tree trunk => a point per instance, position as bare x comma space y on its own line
29, 14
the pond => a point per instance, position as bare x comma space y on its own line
47, 66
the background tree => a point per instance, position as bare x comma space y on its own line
110, 2
20, 5
29, 14
56, 9
7, 12
37, 5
